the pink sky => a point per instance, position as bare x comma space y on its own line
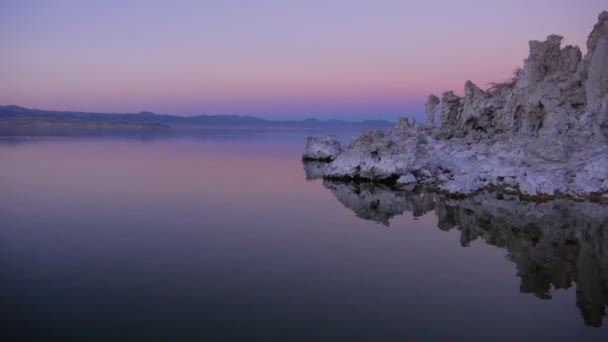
275, 59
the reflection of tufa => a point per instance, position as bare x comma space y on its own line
314, 169
544, 133
378, 203
554, 244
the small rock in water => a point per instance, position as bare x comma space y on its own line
406, 179
325, 149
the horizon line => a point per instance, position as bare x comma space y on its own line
197, 115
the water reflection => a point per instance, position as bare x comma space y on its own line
380, 203
554, 245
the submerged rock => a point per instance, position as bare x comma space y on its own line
325, 149
542, 133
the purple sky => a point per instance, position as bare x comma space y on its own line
275, 59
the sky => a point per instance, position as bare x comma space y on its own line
374, 59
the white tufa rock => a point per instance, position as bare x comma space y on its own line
544, 132
430, 109
406, 179
325, 149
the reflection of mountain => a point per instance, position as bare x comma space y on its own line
553, 244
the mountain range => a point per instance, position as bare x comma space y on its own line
15, 115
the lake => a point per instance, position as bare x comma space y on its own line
226, 235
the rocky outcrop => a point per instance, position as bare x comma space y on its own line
430, 110
595, 67
542, 133
403, 125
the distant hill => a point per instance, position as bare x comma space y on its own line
16, 115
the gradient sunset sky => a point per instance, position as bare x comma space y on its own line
274, 59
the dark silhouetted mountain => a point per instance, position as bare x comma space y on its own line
19, 115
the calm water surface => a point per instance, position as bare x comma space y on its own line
220, 234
